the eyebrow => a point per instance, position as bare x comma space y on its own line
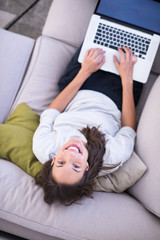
72, 168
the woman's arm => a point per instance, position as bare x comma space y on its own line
125, 69
93, 61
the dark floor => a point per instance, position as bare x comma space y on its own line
26, 17
6, 236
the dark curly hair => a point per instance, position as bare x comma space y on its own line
68, 194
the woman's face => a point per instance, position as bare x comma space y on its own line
70, 163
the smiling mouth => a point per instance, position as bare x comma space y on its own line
74, 147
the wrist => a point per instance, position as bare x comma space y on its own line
127, 87
85, 72
127, 83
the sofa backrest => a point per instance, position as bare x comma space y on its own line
66, 24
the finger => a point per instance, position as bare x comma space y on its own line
100, 56
122, 54
128, 53
133, 56
102, 62
91, 52
96, 53
87, 52
116, 62
134, 60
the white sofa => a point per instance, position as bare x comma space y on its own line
29, 72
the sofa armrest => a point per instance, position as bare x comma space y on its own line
59, 23
147, 189
15, 53
156, 64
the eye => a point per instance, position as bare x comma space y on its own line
76, 166
61, 162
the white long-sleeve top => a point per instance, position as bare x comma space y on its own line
88, 108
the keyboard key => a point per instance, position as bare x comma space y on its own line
112, 37
141, 52
113, 47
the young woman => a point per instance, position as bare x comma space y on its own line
89, 129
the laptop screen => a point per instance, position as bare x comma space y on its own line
141, 13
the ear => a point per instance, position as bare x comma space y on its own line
53, 161
87, 167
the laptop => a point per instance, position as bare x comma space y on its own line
131, 23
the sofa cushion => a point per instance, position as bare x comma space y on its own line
156, 64
49, 61
147, 189
16, 139
144, 95
126, 176
123, 216
15, 53
59, 23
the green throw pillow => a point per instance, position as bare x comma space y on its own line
16, 139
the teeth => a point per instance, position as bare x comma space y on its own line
74, 148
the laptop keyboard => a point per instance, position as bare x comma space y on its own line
114, 38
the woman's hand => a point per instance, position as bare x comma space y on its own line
125, 66
93, 61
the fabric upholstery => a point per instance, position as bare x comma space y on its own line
126, 176
14, 59
63, 14
156, 64
21, 203
49, 62
147, 190
107, 215
144, 95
